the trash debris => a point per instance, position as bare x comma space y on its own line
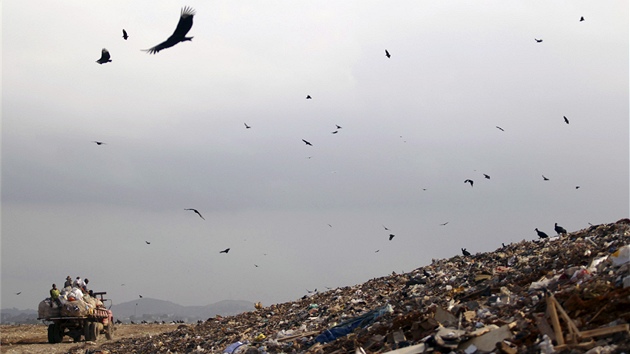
525, 297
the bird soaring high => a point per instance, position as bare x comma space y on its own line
225, 251
307, 143
501, 129
196, 212
125, 36
98, 142
387, 54
391, 236
246, 126
183, 26
469, 181
538, 40
105, 57
545, 178
486, 176
566, 120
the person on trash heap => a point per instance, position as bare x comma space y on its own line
78, 283
54, 295
85, 284
68, 282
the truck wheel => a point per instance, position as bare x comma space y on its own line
109, 333
51, 333
94, 331
54, 333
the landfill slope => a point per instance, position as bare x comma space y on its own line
463, 304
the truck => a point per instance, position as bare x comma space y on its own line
99, 321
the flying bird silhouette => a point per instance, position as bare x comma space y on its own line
225, 251
307, 143
541, 234
387, 54
577, 187
147, 242
444, 224
545, 178
469, 181
465, 253
566, 120
140, 296
391, 236
18, 293
196, 212
125, 36
335, 132
338, 126
246, 126
538, 40
98, 142
581, 18
486, 176
385, 228
183, 26
105, 57
559, 229
308, 97
501, 129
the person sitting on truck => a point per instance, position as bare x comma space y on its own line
85, 284
54, 295
68, 282
78, 283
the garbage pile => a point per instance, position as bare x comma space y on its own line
72, 302
569, 293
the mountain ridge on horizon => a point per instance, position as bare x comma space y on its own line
148, 309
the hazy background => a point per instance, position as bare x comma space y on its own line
173, 124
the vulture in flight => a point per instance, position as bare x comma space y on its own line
538, 40
196, 212
125, 36
98, 142
225, 251
501, 129
387, 54
566, 120
105, 57
469, 181
183, 26
307, 142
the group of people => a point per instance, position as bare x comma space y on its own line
78, 283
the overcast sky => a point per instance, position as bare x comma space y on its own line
298, 217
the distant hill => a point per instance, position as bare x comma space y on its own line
147, 309
15, 316
160, 310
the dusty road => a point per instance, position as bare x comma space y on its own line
33, 339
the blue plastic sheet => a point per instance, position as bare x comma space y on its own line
348, 327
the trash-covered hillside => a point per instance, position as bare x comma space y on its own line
569, 293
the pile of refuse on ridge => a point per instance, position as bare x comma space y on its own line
569, 293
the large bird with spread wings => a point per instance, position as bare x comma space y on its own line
183, 26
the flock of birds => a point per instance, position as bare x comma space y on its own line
180, 35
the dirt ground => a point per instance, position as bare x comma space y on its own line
33, 339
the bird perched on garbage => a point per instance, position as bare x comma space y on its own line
183, 26
469, 181
391, 236
559, 229
307, 143
125, 36
225, 251
541, 234
387, 54
196, 212
105, 57
465, 253
566, 120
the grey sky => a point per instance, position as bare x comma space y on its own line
173, 124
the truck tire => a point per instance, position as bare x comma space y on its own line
54, 333
94, 331
109, 332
